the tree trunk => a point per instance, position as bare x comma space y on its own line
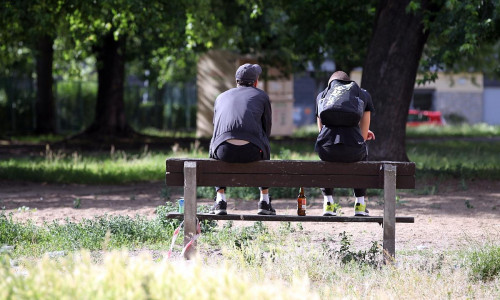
110, 120
45, 106
390, 71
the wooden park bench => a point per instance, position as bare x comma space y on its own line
386, 175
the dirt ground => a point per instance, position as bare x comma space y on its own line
457, 213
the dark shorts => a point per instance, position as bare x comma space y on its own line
238, 154
343, 153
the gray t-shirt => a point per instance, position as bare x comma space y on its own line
243, 113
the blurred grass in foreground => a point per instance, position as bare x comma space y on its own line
255, 262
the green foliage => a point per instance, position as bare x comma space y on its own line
463, 159
101, 232
75, 101
463, 36
338, 30
483, 262
347, 255
77, 202
468, 205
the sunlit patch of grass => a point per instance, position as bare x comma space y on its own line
37, 139
461, 130
446, 158
169, 133
455, 158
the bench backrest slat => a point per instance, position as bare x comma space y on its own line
290, 173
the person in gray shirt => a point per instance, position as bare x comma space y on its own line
242, 126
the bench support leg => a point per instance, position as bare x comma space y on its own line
389, 213
189, 206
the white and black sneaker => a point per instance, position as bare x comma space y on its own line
265, 208
219, 208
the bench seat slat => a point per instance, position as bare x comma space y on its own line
290, 167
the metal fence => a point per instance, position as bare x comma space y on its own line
172, 107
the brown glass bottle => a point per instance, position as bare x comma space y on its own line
301, 203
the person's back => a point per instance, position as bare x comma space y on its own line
242, 126
345, 144
242, 113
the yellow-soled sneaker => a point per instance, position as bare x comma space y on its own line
360, 210
329, 209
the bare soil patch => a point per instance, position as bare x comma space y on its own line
456, 214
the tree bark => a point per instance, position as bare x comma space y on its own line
110, 119
390, 71
45, 105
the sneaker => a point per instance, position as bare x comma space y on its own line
266, 209
329, 209
219, 208
360, 210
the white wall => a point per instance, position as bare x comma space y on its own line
491, 112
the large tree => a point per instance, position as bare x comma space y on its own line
116, 32
400, 35
33, 25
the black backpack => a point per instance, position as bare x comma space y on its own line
341, 104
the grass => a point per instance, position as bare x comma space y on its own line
122, 277
425, 131
461, 130
456, 158
100, 233
444, 158
89, 259
252, 262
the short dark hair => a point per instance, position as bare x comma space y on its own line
245, 83
340, 75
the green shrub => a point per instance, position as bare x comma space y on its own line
483, 262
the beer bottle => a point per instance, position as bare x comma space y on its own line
301, 203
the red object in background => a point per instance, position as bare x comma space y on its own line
424, 117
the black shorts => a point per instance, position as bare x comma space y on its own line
238, 154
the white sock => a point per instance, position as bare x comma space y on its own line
264, 197
220, 197
360, 200
328, 198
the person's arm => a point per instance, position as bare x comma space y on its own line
267, 121
320, 125
364, 125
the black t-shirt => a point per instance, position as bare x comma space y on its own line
343, 135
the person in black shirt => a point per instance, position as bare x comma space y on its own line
345, 144
242, 126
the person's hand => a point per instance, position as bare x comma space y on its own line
370, 136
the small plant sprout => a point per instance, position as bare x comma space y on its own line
76, 203
468, 205
23, 208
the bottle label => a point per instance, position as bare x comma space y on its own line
181, 205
